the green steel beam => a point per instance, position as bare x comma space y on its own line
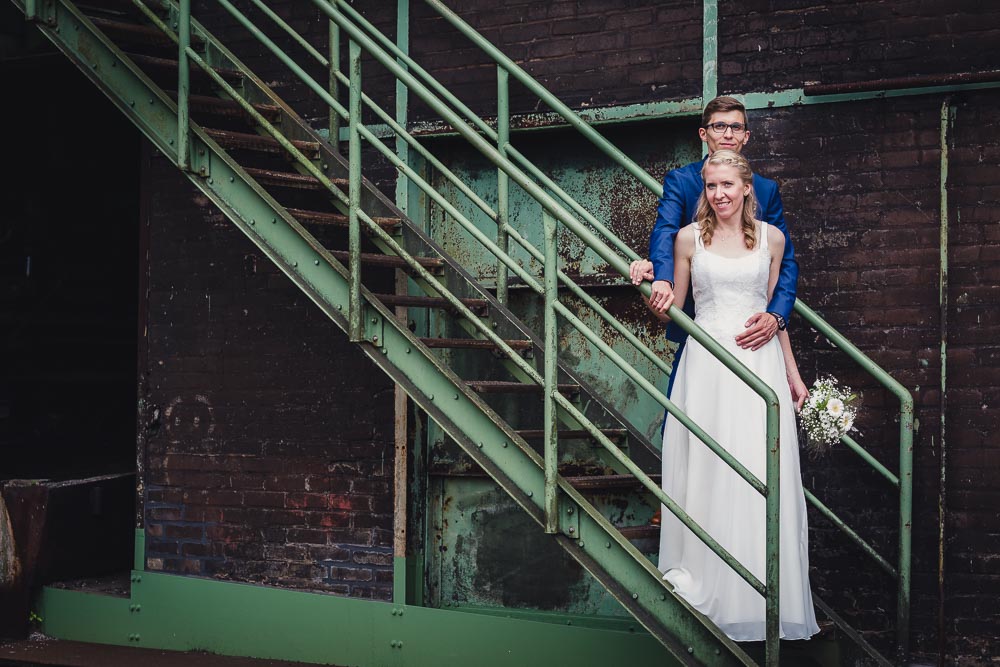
710, 52
186, 613
402, 100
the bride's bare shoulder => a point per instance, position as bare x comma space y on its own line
684, 243
775, 239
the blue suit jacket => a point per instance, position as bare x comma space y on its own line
681, 189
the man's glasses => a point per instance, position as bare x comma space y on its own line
720, 128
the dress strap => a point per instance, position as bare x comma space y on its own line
699, 244
763, 235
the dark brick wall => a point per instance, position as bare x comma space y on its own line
861, 186
764, 44
270, 455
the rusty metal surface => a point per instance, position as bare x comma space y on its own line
898, 83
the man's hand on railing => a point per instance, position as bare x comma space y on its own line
640, 270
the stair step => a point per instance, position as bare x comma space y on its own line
478, 306
168, 65
378, 259
608, 482
227, 108
134, 33
640, 532
255, 142
474, 343
290, 179
336, 219
580, 434
498, 387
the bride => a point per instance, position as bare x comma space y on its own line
732, 261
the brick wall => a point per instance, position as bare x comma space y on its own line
764, 45
270, 456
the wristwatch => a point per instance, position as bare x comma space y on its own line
779, 319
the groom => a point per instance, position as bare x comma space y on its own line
723, 126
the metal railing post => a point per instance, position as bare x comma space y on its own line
183, 86
333, 67
551, 376
354, 192
503, 182
772, 536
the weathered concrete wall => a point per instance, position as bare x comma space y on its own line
269, 455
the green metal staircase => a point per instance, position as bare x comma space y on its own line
309, 209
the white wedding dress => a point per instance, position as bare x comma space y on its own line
727, 291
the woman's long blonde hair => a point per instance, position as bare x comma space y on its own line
705, 216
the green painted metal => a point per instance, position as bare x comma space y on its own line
183, 85
333, 69
402, 100
551, 378
503, 184
710, 50
185, 613
853, 445
139, 550
354, 189
847, 530
946, 120
905, 463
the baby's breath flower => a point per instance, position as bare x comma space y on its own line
827, 415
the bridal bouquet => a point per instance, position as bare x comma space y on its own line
827, 414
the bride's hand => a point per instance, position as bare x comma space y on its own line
799, 391
662, 296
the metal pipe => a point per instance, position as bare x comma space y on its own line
503, 184
402, 100
183, 86
551, 377
869, 459
710, 53
946, 119
333, 68
354, 192
857, 539
898, 83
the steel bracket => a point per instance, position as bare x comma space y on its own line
200, 158
569, 519
374, 326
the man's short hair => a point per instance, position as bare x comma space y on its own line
722, 104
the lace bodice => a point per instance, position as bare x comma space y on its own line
727, 291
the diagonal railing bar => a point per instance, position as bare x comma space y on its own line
853, 445
857, 539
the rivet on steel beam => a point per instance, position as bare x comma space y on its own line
401, 611
455, 397
340, 306
138, 608
374, 320
385, 350
580, 544
480, 445
569, 510
211, 180
94, 65
150, 100
495, 324
691, 649
718, 651
572, 530
274, 221
374, 339
431, 397
232, 179
531, 494
663, 597
325, 166
131, 103
635, 596
170, 141
316, 262
295, 264
607, 545
407, 350
252, 222
504, 444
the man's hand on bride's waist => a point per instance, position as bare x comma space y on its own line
760, 328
